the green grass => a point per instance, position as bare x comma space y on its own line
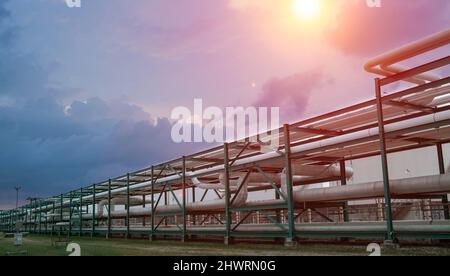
42, 246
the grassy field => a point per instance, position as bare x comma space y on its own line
42, 246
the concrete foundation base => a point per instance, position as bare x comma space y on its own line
290, 243
228, 240
389, 244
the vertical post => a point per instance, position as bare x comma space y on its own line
194, 219
390, 235
53, 215
10, 221
277, 212
61, 217
290, 199
40, 217
440, 153
109, 210
26, 218
70, 214
166, 202
152, 232
226, 158
93, 210
128, 206
35, 227
23, 219
143, 206
30, 217
29, 214
45, 222
184, 199
80, 213
344, 183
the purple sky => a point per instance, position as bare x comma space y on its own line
81, 89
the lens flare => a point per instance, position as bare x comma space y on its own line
307, 9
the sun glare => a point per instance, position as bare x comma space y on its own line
307, 9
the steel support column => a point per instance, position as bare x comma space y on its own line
440, 153
194, 218
70, 214
93, 210
40, 217
26, 219
61, 217
344, 183
184, 200
227, 194
152, 231
289, 189
390, 235
35, 227
108, 235
80, 213
53, 216
10, 221
128, 207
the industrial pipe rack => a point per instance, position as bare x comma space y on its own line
394, 121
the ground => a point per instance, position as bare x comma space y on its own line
42, 246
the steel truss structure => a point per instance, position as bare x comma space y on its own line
416, 117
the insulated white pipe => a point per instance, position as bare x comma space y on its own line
386, 60
428, 185
134, 201
395, 69
437, 184
301, 173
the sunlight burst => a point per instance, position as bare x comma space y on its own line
307, 9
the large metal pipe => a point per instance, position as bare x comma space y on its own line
437, 184
134, 201
301, 173
384, 64
427, 185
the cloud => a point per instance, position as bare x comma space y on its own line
22, 77
5, 29
4, 13
367, 31
49, 148
172, 42
291, 93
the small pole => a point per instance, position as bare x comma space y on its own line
18, 188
